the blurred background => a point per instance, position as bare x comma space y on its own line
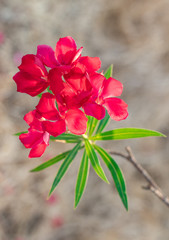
134, 36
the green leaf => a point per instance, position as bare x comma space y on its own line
50, 162
19, 133
116, 174
95, 161
89, 124
48, 90
39, 95
62, 170
109, 72
67, 137
125, 133
93, 123
103, 123
82, 178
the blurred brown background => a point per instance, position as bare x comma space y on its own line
134, 36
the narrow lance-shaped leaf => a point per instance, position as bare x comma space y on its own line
109, 72
82, 178
102, 124
48, 90
116, 174
62, 170
93, 122
67, 137
92, 126
50, 162
89, 123
19, 133
95, 161
125, 133
39, 95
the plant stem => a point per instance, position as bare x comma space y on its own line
152, 185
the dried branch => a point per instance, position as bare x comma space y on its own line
152, 185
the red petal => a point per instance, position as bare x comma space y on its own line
92, 63
31, 139
112, 88
47, 55
37, 151
65, 50
64, 93
94, 110
63, 69
76, 121
46, 138
55, 128
33, 65
30, 117
77, 78
56, 82
47, 107
32, 120
97, 80
116, 108
77, 55
29, 84
75, 74
79, 82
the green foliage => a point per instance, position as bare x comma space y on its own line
82, 178
125, 133
109, 72
92, 125
67, 137
93, 122
103, 123
19, 133
50, 162
95, 161
94, 132
116, 174
39, 95
63, 168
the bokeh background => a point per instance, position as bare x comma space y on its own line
134, 36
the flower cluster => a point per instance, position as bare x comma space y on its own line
74, 89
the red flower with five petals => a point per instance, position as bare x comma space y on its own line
64, 56
37, 138
108, 90
75, 85
56, 122
32, 77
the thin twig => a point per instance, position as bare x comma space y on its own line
152, 185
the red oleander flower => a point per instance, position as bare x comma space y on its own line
64, 56
32, 77
55, 122
37, 137
76, 88
107, 90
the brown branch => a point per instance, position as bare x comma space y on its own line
152, 186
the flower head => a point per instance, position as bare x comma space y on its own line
37, 138
76, 89
32, 77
